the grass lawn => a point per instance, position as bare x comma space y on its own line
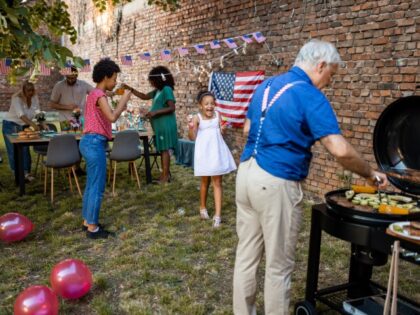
160, 262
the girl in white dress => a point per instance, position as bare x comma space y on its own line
212, 157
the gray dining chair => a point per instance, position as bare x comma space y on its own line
126, 148
63, 152
41, 150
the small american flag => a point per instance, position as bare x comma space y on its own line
5, 65
145, 56
66, 70
126, 60
247, 38
214, 44
259, 37
230, 43
200, 49
44, 70
233, 93
86, 67
166, 55
182, 51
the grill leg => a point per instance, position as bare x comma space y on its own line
359, 273
313, 257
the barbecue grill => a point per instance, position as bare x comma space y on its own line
397, 152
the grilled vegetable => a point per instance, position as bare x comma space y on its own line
349, 194
363, 189
400, 198
387, 209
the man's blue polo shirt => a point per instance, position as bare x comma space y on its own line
301, 116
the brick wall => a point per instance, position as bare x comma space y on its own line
379, 40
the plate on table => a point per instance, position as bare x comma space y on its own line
403, 229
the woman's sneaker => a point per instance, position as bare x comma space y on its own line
204, 214
217, 221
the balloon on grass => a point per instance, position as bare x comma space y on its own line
71, 279
14, 227
36, 300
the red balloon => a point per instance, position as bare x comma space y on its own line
71, 279
36, 300
14, 227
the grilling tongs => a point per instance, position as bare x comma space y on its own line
378, 182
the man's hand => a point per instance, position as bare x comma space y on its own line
378, 178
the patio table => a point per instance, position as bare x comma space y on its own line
19, 144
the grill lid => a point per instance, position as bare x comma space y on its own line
396, 143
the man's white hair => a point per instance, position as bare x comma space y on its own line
316, 51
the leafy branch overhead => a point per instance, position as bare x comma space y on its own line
29, 32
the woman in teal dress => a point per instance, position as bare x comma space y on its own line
162, 115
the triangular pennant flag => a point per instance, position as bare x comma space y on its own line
145, 56
183, 51
166, 55
200, 49
230, 43
259, 37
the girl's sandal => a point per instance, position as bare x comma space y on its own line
217, 221
204, 214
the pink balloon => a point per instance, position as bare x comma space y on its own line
71, 279
14, 227
36, 300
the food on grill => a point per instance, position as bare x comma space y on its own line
383, 208
381, 202
363, 189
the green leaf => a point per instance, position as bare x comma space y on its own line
47, 55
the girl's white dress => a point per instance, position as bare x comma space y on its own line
211, 155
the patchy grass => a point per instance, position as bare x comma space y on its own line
160, 262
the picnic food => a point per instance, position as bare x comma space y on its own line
28, 133
363, 189
384, 203
414, 228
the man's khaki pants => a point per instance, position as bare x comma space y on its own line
268, 218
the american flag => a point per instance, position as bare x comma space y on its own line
145, 56
44, 70
233, 93
247, 38
230, 43
126, 60
166, 55
5, 65
259, 37
182, 51
66, 70
86, 67
214, 44
200, 49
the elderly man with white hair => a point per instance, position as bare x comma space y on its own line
287, 115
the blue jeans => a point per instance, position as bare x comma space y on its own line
10, 127
92, 147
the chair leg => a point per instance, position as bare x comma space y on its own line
76, 180
113, 181
109, 171
36, 165
69, 177
52, 185
136, 173
45, 180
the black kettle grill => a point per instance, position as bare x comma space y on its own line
397, 152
